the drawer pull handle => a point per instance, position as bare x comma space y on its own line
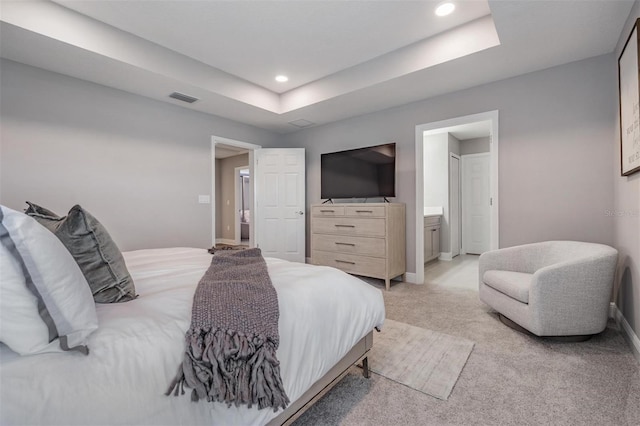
344, 226
345, 261
345, 244
328, 211
364, 211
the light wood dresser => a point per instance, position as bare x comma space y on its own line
365, 239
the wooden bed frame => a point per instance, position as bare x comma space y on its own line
357, 354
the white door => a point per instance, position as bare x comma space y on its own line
476, 203
454, 203
280, 203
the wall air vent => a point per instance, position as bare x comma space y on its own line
182, 97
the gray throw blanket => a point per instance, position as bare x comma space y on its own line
231, 344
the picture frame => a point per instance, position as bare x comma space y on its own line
629, 96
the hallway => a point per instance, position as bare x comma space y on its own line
459, 273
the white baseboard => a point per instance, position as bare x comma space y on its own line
225, 241
612, 310
446, 256
411, 277
628, 333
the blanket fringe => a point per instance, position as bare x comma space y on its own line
231, 367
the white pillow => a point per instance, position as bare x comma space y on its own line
45, 302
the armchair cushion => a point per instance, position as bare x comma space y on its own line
513, 284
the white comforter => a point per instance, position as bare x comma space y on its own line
139, 344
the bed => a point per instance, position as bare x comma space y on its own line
326, 322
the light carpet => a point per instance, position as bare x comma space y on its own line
509, 379
424, 360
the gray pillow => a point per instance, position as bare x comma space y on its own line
94, 251
36, 210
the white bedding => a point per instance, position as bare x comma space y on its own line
138, 346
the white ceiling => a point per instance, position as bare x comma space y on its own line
343, 58
258, 40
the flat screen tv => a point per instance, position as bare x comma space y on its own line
359, 173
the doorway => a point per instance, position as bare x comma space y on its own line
224, 211
453, 134
276, 198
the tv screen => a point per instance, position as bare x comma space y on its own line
359, 173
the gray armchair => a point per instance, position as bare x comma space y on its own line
553, 288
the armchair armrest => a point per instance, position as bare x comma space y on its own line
573, 291
563, 283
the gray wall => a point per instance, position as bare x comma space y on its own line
625, 217
475, 146
137, 164
556, 136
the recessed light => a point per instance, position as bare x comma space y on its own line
445, 8
282, 78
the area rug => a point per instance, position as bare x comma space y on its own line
424, 360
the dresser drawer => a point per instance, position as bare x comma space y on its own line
431, 220
347, 244
360, 211
328, 211
359, 265
349, 226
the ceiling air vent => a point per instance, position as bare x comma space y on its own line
182, 97
301, 123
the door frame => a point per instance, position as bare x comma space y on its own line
215, 140
452, 156
238, 201
491, 116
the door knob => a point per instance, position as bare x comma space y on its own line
300, 212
